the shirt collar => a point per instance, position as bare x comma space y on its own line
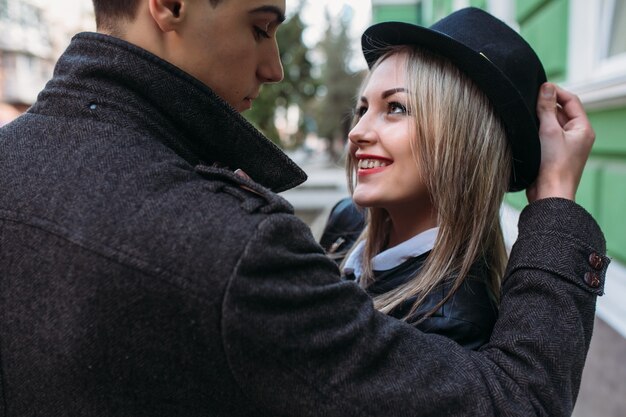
392, 257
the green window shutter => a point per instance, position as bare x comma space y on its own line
410, 13
517, 200
589, 188
612, 205
546, 31
481, 4
524, 8
609, 126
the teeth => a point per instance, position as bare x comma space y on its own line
371, 163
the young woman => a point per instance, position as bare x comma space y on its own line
445, 124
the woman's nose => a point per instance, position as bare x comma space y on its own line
362, 133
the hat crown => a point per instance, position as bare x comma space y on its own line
499, 44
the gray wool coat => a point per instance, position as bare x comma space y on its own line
138, 278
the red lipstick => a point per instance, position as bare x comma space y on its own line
368, 171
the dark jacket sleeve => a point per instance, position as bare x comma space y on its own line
301, 342
343, 227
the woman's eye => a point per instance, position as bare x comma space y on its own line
260, 33
397, 108
360, 111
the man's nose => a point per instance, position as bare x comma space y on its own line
270, 68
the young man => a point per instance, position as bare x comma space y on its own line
141, 277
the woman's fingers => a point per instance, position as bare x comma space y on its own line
566, 139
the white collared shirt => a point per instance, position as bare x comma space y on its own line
392, 257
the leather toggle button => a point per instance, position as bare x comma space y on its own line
595, 261
592, 279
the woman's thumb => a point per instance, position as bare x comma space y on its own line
546, 105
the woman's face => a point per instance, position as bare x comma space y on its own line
387, 175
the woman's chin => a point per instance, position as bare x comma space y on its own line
364, 200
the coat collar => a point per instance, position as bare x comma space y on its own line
132, 87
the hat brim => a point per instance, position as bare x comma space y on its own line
520, 122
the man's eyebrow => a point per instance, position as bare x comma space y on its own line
280, 15
393, 91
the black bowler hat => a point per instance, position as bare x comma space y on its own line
496, 58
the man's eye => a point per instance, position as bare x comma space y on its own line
397, 108
260, 33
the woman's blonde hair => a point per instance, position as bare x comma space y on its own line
463, 156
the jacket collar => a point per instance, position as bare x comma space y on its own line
132, 87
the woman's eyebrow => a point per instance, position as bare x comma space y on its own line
280, 15
393, 91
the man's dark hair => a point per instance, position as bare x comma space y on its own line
110, 12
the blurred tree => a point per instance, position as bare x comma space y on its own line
297, 88
340, 84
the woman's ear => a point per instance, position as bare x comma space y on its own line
168, 14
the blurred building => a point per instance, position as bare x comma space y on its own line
583, 47
34, 34
25, 51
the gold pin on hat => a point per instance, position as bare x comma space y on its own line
485, 56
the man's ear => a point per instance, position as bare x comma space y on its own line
167, 14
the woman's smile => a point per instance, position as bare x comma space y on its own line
371, 164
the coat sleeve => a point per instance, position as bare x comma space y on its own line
301, 342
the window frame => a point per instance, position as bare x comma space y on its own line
600, 81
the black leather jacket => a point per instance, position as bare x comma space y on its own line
343, 227
467, 317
